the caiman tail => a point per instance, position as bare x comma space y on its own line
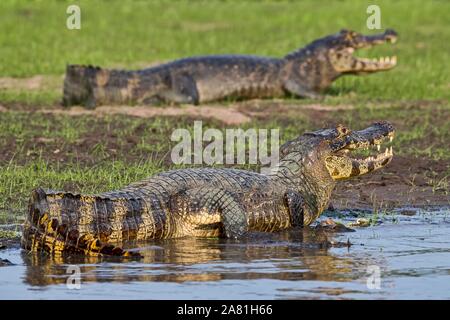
91, 86
78, 85
61, 222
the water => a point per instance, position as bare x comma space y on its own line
411, 254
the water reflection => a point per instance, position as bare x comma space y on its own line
301, 254
412, 252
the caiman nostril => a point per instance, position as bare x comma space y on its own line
390, 35
342, 130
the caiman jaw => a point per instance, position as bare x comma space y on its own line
342, 166
370, 163
380, 64
343, 60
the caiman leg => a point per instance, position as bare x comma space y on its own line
295, 203
182, 90
208, 206
300, 91
204, 203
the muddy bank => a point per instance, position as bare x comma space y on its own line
404, 182
115, 133
225, 115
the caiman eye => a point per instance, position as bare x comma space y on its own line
343, 130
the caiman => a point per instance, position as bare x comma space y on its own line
206, 202
306, 72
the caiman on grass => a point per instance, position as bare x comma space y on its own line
206, 202
304, 73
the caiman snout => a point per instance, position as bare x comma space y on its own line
389, 36
344, 45
341, 165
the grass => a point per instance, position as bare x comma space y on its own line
17, 180
89, 154
130, 34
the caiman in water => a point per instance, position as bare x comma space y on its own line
206, 202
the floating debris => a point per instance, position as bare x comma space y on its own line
408, 212
5, 262
360, 222
330, 224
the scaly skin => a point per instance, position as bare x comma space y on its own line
305, 73
205, 202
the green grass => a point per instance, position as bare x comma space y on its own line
35, 40
89, 154
17, 180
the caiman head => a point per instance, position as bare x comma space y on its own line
342, 142
316, 160
342, 46
327, 58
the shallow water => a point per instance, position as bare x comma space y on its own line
411, 253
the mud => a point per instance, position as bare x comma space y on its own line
223, 114
407, 181
37, 82
415, 182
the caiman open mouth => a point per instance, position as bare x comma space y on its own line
342, 165
379, 157
344, 61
